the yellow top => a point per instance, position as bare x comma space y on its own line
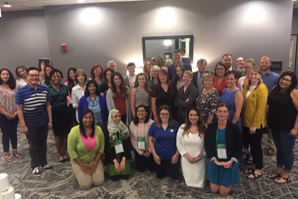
254, 107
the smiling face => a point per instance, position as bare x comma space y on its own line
220, 71
48, 71
247, 66
222, 113
141, 80
265, 64
227, 60
186, 79
109, 75
33, 77
87, 120
162, 77
148, 65
155, 73
4, 76
285, 82
164, 115
81, 78
254, 77
141, 113
97, 72
231, 80
201, 67
131, 70
72, 74
240, 63
117, 118
22, 72
208, 83
179, 72
56, 78
193, 117
177, 57
117, 80
92, 88
113, 66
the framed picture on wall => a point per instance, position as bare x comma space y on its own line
168, 55
276, 66
42, 62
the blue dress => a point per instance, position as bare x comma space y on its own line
218, 174
228, 97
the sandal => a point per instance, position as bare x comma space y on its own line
17, 155
255, 176
8, 158
281, 177
249, 171
249, 161
274, 175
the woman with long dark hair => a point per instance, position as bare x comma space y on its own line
283, 121
107, 81
190, 144
86, 143
47, 71
178, 76
118, 97
70, 83
21, 77
8, 114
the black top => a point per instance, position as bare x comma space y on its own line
165, 98
103, 88
110, 153
234, 141
282, 112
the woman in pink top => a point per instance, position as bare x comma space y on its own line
139, 129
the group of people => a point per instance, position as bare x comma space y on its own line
162, 113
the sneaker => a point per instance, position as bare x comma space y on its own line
47, 168
36, 171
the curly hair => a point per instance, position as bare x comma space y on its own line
11, 82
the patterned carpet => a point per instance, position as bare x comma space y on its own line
61, 183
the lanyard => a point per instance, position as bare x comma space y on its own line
141, 141
221, 148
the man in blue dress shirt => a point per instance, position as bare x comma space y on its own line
178, 61
270, 79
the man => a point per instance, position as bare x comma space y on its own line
185, 59
130, 79
270, 79
240, 65
198, 76
178, 61
34, 111
227, 59
112, 64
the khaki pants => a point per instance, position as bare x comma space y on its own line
86, 181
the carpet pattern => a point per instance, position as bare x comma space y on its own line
61, 183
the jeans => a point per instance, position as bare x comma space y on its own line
38, 145
284, 144
9, 132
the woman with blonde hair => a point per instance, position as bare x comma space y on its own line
148, 63
78, 91
154, 80
21, 77
243, 80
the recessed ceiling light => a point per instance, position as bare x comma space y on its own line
81, 1
7, 5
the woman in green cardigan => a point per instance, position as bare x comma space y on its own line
86, 144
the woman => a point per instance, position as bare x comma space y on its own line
186, 96
70, 83
220, 77
117, 150
85, 146
95, 102
60, 114
178, 76
140, 95
139, 129
190, 144
154, 80
118, 97
107, 81
247, 65
233, 97
21, 76
283, 121
159, 61
148, 63
162, 142
96, 73
208, 100
255, 95
223, 145
47, 80
163, 94
78, 91
8, 114
168, 62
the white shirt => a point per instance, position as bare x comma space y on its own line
76, 94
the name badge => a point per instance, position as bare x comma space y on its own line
119, 147
221, 151
141, 143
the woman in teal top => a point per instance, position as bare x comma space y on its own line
223, 146
86, 144
60, 114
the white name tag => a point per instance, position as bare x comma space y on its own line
119, 147
222, 153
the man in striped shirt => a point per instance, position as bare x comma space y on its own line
35, 115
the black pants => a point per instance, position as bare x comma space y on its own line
143, 163
38, 145
254, 141
166, 165
9, 132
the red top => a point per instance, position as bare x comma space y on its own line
220, 86
121, 105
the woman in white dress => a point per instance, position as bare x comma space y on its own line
21, 77
190, 144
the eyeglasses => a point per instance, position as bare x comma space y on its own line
141, 111
220, 69
164, 114
31, 75
286, 80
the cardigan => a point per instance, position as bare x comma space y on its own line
234, 141
77, 149
111, 105
254, 107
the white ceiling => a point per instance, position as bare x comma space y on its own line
39, 4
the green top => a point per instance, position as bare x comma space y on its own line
76, 147
58, 98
